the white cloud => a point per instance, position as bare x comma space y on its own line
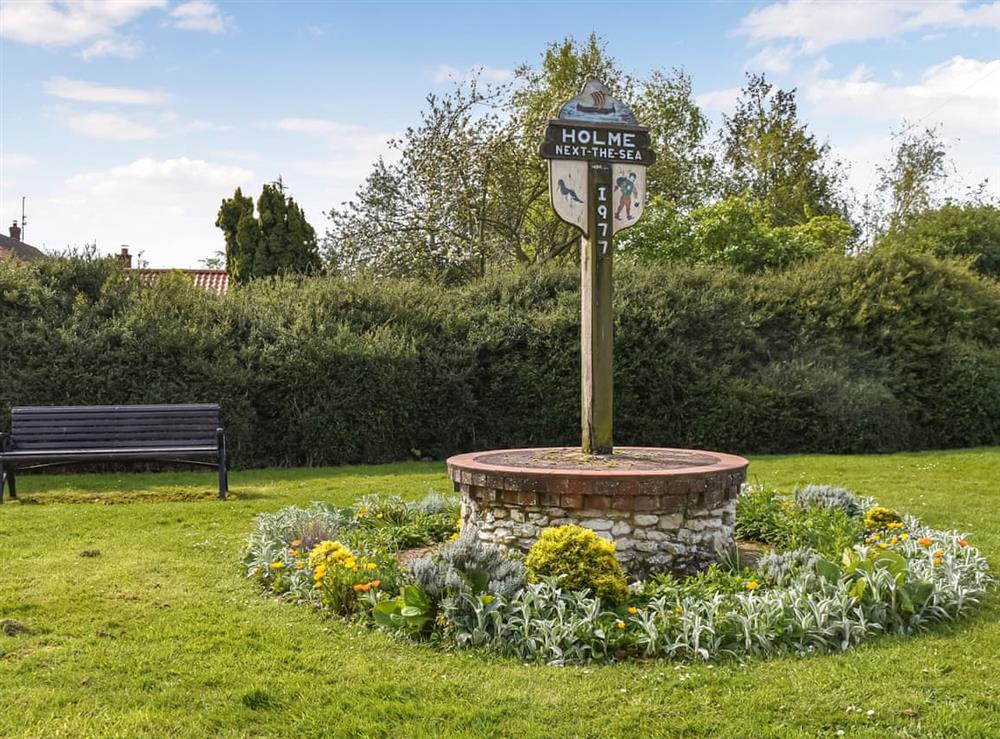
716, 100
447, 73
961, 93
94, 92
120, 46
199, 126
347, 160
10, 161
164, 208
308, 125
51, 23
344, 138
123, 178
199, 15
818, 24
771, 59
110, 127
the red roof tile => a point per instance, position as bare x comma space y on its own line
214, 280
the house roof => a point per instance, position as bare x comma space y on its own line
20, 250
214, 280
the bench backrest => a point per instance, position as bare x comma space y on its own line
114, 426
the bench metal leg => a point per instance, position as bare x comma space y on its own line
12, 484
223, 472
3, 481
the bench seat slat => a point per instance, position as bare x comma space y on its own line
114, 418
123, 444
99, 455
31, 410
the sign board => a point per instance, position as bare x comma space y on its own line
598, 154
593, 127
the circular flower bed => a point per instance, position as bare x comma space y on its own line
837, 569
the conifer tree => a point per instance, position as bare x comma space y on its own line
278, 240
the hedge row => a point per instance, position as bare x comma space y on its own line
876, 353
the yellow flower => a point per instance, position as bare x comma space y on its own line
378, 515
894, 541
904, 536
939, 553
371, 566
453, 536
752, 585
678, 610
620, 624
299, 565
882, 545
277, 565
633, 610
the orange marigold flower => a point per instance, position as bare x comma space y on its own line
362, 587
375, 583
925, 541
963, 543
939, 553
296, 542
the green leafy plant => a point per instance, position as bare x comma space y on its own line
581, 558
411, 611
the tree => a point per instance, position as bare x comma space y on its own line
734, 231
469, 191
769, 153
216, 261
278, 241
907, 184
970, 230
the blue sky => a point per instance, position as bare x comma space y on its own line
127, 121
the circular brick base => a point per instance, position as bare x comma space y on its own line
665, 509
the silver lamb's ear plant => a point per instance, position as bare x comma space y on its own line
827, 497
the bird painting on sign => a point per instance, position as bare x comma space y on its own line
629, 194
568, 190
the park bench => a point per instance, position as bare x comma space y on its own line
45, 436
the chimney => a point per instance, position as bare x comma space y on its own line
15, 231
125, 258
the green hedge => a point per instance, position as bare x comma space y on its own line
877, 353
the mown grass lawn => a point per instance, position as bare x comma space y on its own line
157, 633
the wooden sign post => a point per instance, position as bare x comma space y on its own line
598, 156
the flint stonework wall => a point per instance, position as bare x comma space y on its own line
677, 522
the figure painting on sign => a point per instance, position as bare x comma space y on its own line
567, 193
628, 191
